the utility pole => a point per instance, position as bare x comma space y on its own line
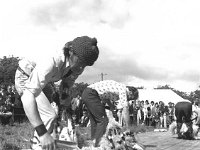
102, 75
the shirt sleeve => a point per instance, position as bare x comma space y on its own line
40, 76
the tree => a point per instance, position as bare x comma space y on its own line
8, 66
195, 95
163, 87
140, 87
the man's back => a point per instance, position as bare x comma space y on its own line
111, 90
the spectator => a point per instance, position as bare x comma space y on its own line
151, 107
161, 113
133, 112
165, 116
10, 94
152, 104
146, 118
171, 112
8, 104
157, 117
84, 119
139, 114
153, 114
77, 108
142, 111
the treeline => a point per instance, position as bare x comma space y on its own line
8, 66
195, 95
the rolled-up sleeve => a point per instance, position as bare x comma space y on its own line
40, 76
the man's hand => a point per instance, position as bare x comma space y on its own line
47, 142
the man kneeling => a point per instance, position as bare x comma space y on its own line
184, 126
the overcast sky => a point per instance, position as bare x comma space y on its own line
142, 42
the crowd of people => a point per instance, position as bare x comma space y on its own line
8, 98
9, 102
151, 113
155, 114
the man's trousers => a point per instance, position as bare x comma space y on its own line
97, 114
183, 112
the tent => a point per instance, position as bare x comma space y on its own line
156, 95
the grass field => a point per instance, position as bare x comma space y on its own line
17, 136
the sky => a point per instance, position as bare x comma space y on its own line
145, 43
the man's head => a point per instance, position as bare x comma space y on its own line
147, 102
82, 51
132, 93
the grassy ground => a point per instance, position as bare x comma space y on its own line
17, 136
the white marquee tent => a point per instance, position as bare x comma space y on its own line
156, 95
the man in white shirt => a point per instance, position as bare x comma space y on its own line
31, 77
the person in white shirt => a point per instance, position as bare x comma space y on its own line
32, 76
116, 95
